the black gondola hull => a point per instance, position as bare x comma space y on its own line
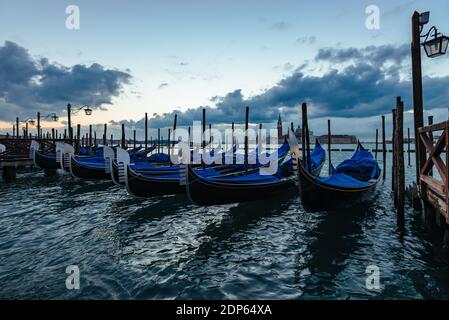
46, 161
205, 193
312, 192
146, 187
81, 171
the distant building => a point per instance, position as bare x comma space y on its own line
338, 139
298, 133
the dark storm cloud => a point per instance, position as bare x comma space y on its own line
371, 54
28, 85
365, 84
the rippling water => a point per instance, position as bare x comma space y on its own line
165, 248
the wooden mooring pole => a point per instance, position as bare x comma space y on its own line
400, 173
158, 140
146, 131
430, 121
377, 143
39, 125
246, 137
105, 132
307, 138
384, 149
408, 145
329, 137
78, 134
69, 123
90, 136
393, 164
123, 142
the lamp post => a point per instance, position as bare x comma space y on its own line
435, 44
29, 121
70, 111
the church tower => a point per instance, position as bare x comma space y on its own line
279, 127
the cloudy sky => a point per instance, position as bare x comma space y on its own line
166, 57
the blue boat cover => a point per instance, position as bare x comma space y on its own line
342, 180
284, 170
354, 172
159, 158
360, 166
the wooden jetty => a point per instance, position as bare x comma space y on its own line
18, 155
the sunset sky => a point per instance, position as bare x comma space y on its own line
133, 57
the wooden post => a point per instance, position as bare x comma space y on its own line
105, 132
377, 143
307, 138
420, 151
174, 129
14, 131
38, 124
146, 131
430, 120
233, 142
158, 140
246, 137
393, 164
384, 149
329, 141
400, 178
90, 136
123, 136
69, 123
134, 133
408, 145
53, 134
112, 140
446, 179
26, 129
303, 137
78, 135
203, 135
17, 127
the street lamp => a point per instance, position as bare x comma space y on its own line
52, 116
435, 44
86, 108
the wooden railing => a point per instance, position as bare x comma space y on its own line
435, 191
19, 148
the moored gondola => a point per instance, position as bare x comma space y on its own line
246, 186
355, 178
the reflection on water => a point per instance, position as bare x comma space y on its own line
169, 248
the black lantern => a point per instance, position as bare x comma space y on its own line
87, 110
437, 46
32, 122
54, 117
